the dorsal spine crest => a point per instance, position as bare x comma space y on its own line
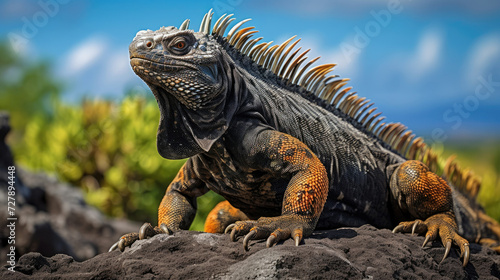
334, 94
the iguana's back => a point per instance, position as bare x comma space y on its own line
355, 160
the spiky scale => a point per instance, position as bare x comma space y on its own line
216, 25
340, 94
287, 63
224, 24
278, 53
301, 71
292, 69
259, 56
202, 25
248, 46
372, 118
269, 56
244, 39
235, 28
362, 111
234, 40
184, 25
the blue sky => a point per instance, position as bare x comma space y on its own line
428, 65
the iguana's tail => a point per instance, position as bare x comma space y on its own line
474, 224
492, 228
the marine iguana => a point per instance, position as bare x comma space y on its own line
290, 147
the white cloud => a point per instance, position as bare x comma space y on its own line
347, 63
357, 7
484, 53
426, 56
84, 55
117, 65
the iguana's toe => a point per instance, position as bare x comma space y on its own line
239, 229
438, 225
146, 231
273, 229
125, 241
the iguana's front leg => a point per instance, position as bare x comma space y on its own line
177, 208
305, 195
427, 198
221, 216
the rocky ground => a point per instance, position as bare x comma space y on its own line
345, 253
58, 236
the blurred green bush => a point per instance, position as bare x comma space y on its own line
108, 149
483, 158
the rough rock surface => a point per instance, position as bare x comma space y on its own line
345, 253
53, 218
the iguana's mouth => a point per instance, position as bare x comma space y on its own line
166, 67
138, 65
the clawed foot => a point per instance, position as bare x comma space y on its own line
442, 224
146, 231
274, 229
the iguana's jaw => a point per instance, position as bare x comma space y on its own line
193, 86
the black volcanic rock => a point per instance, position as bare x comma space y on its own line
345, 253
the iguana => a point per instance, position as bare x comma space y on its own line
289, 146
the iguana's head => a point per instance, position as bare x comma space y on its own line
186, 73
180, 63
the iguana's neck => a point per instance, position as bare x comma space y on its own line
184, 132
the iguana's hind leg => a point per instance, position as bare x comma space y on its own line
426, 197
222, 216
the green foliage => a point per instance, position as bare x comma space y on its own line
206, 203
108, 150
484, 159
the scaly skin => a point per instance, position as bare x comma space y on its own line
287, 161
424, 195
222, 216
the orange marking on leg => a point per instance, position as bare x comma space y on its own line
308, 189
221, 216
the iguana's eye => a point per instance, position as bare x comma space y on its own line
149, 44
179, 46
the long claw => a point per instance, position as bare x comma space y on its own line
297, 239
397, 229
121, 245
414, 227
146, 231
229, 227
271, 241
297, 235
466, 254
247, 238
114, 247
447, 251
165, 229
233, 235
427, 238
